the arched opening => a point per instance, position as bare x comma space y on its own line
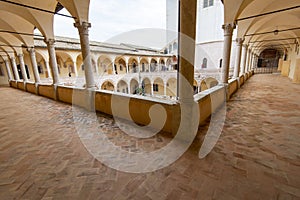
107, 85
120, 65
80, 66
169, 64
153, 65
268, 61
158, 86
195, 86
162, 65
208, 83
133, 65
172, 87
122, 87
105, 66
146, 86
42, 69
134, 85
144, 65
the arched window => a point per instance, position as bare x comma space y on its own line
204, 63
207, 3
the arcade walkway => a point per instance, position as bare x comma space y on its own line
256, 157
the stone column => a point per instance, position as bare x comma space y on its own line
48, 69
34, 65
247, 60
22, 66
186, 115
8, 70
75, 68
52, 60
83, 29
228, 30
239, 42
165, 89
14, 67
127, 67
188, 10
151, 89
243, 66
113, 67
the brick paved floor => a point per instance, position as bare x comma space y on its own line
256, 157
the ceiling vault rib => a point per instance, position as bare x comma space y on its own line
268, 13
35, 8
275, 40
283, 30
19, 33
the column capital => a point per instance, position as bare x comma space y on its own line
228, 28
31, 49
49, 41
82, 27
20, 55
239, 41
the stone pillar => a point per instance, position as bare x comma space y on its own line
113, 68
34, 65
14, 67
165, 89
22, 66
86, 54
75, 68
247, 60
8, 70
151, 89
52, 60
239, 42
48, 69
188, 10
127, 67
243, 66
228, 30
186, 115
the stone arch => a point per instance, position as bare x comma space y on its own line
108, 85
64, 63
105, 65
158, 86
153, 65
146, 86
120, 63
208, 83
144, 65
134, 85
171, 90
195, 86
80, 65
133, 65
122, 86
42, 63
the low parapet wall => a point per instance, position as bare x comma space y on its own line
30, 87
136, 108
46, 91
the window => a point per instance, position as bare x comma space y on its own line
207, 3
204, 63
155, 87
